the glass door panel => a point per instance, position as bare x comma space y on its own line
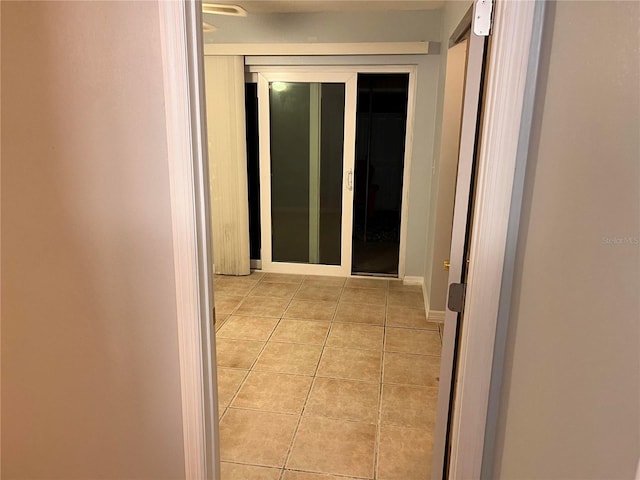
307, 143
307, 165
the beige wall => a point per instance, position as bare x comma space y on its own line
90, 379
570, 403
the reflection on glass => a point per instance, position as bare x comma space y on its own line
307, 143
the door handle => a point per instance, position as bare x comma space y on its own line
350, 180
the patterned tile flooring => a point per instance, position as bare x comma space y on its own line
324, 378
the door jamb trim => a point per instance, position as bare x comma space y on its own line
504, 127
183, 81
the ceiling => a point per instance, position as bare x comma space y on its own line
308, 6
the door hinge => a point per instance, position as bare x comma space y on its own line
457, 292
482, 17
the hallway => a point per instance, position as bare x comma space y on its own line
325, 377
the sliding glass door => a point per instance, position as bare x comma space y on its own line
307, 144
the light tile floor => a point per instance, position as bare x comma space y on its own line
324, 378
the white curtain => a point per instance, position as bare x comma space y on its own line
224, 79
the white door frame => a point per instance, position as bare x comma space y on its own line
512, 30
183, 78
412, 71
284, 74
504, 127
466, 156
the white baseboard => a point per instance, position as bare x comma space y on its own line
425, 297
433, 315
413, 281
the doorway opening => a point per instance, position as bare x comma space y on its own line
381, 126
509, 121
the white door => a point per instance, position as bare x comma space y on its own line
458, 254
307, 144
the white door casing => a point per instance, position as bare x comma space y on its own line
466, 155
183, 78
504, 128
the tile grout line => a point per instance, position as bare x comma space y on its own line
313, 382
274, 328
226, 409
292, 342
314, 376
332, 323
376, 457
260, 354
244, 380
234, 309
337, 476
